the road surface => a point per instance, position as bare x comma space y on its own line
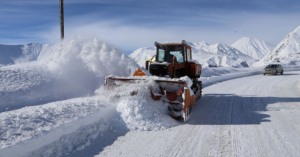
251, 116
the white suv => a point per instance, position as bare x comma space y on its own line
273, 69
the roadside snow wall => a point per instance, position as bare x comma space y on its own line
74, 68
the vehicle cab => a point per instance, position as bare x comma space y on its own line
174, 60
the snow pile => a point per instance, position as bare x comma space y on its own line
82, 54
57, 128
71, 69
145, 114
286, 52
136, 106
208, 55
252, 47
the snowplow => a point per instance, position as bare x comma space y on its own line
176, 74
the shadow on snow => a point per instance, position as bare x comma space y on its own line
227, 109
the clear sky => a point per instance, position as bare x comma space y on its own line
131, 24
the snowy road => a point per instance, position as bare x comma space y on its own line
251, 116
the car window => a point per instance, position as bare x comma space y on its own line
271, 66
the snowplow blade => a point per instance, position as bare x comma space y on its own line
177, 93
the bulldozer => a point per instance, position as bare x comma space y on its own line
176, 74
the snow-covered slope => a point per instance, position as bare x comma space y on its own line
142, 54
208, 55
15, 54
220, 55
252, 47
287, 51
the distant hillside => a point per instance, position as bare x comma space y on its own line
14, 54
287, 51
252, 47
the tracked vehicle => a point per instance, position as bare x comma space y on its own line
177, 78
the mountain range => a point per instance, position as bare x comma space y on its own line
208, 55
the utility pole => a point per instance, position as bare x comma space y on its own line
62, 20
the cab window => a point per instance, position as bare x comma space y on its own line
178, 55
188, 53
161, 55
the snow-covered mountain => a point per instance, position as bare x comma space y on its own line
252, 47
208, 55
287, 51
14, 54
142, 54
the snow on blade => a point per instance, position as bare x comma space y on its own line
136, 106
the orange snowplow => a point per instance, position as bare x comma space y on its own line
177, 78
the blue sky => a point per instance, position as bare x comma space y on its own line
131, 24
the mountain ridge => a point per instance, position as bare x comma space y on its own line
287, 51
253, 47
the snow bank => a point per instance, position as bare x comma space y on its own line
33, 121
221, 71
56, 128
70, 69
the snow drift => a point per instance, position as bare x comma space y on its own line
71, 69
